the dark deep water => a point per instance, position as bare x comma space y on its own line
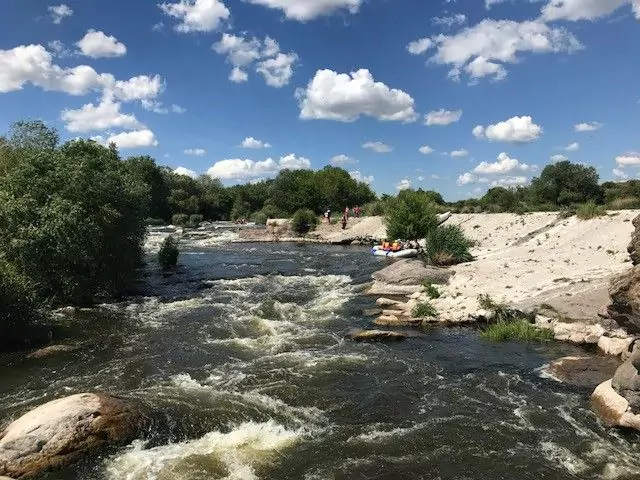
244, 352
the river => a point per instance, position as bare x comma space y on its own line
243, 351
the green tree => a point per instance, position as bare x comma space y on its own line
293, 190
145, 169
503, 198
565, 183
410, 216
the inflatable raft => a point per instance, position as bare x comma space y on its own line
405, 253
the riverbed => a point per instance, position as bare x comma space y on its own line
243, 350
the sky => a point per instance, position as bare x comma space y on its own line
452, 95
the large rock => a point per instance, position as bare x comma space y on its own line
377, 335
60, 431
634, 245
626, 381
52, 350
585, 372
625, 300
412, 272
613, 408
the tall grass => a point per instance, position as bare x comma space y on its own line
590, 210
430, 290
447, 245
424, 310
509, 325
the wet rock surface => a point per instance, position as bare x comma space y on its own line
585, 372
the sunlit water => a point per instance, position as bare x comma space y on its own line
243, 352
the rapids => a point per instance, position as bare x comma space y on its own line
242, 352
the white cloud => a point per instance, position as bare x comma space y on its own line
503, 165
59, 49
450, 20
186, 172
303, 10
628, 159
420, 178
136, 88
482, 50
572, 147
236, 169
558, 158
418, 47
342, 160
442, 117
466, 179
358, 177
178, 109
346, 97
459, 153
96, 44
275, 67
514, 130
435, 177
196, 152
251, 142
403, 184
574, 10
489, 3
59, 12
135, 139
197, 15
619, 174
377, 147
104, 116
509, 181
587, 127
426, 149
158, 27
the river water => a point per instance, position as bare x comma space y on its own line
243, 351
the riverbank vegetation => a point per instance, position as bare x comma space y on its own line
168, 253
505, 324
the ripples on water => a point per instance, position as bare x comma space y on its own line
244, 353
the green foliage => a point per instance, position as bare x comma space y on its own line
195, 220
590, 210
447, 245
180, 219
154, 222
565, 183
499, 312
304, 221
410, 216
168, 253
517, 330
430, 290
424, 310
374, 209
260, 218
624, 203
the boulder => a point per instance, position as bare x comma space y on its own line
585, 372
626, 381
634, 245
614, 346
624, 308
577, 332
59, 432
52, 350
377, 335
613, 408
396, 321
411, 271
387, 302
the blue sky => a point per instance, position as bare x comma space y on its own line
492, 90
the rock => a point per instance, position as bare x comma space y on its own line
415, 296
397, 313
626, 381
412, 272
577, 332
395, 321
382, 288
583, 371
613, 408
52, 350
5, 478
624, 308
69, 310
387, 302
614, 346
634, 245
59, 432
371, 312
377, 335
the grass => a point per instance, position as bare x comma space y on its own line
447, 245
520, 330
430, 290
590, 210
424, 310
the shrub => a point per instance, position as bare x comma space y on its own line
519, 329
424, 310
180, 219
373, 209
590, 210
154, 222
168, 254
447, 245
304, 221
430, 290
195, 220
624, 203
410, 216
259, 217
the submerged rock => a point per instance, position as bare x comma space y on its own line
613, 408
59, 432
377, 335
52, 350
583, 371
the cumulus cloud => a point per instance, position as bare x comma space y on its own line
466, 179
483, 49
196, 152
513, 130
310, 9
250, 142
574, 10
59, 13
459, 153
244, 169
263, 55
442, 117
197, 15
572, 147
418, 47
426, 150
377, 147
587, 127
341, 160
509, 181
619, 174
558, 158
503, 165
186, 172
628, 159
498, 173
346, 97
103, 116
96, 44
449, 21
125, 140
59, 49
359, 177
142, 87
403, 184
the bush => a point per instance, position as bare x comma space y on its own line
154, 222
519, 329
304, 221
260, 218
446, 245
590, 210
424, 310
430, 290
374, 209
625, 203
410, 216
195, 220
180, 219
168, 254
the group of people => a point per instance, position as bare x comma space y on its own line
354, 212
397, 245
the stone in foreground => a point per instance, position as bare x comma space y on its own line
59, 432
585, 372
377, 335
52, 350
613, 408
